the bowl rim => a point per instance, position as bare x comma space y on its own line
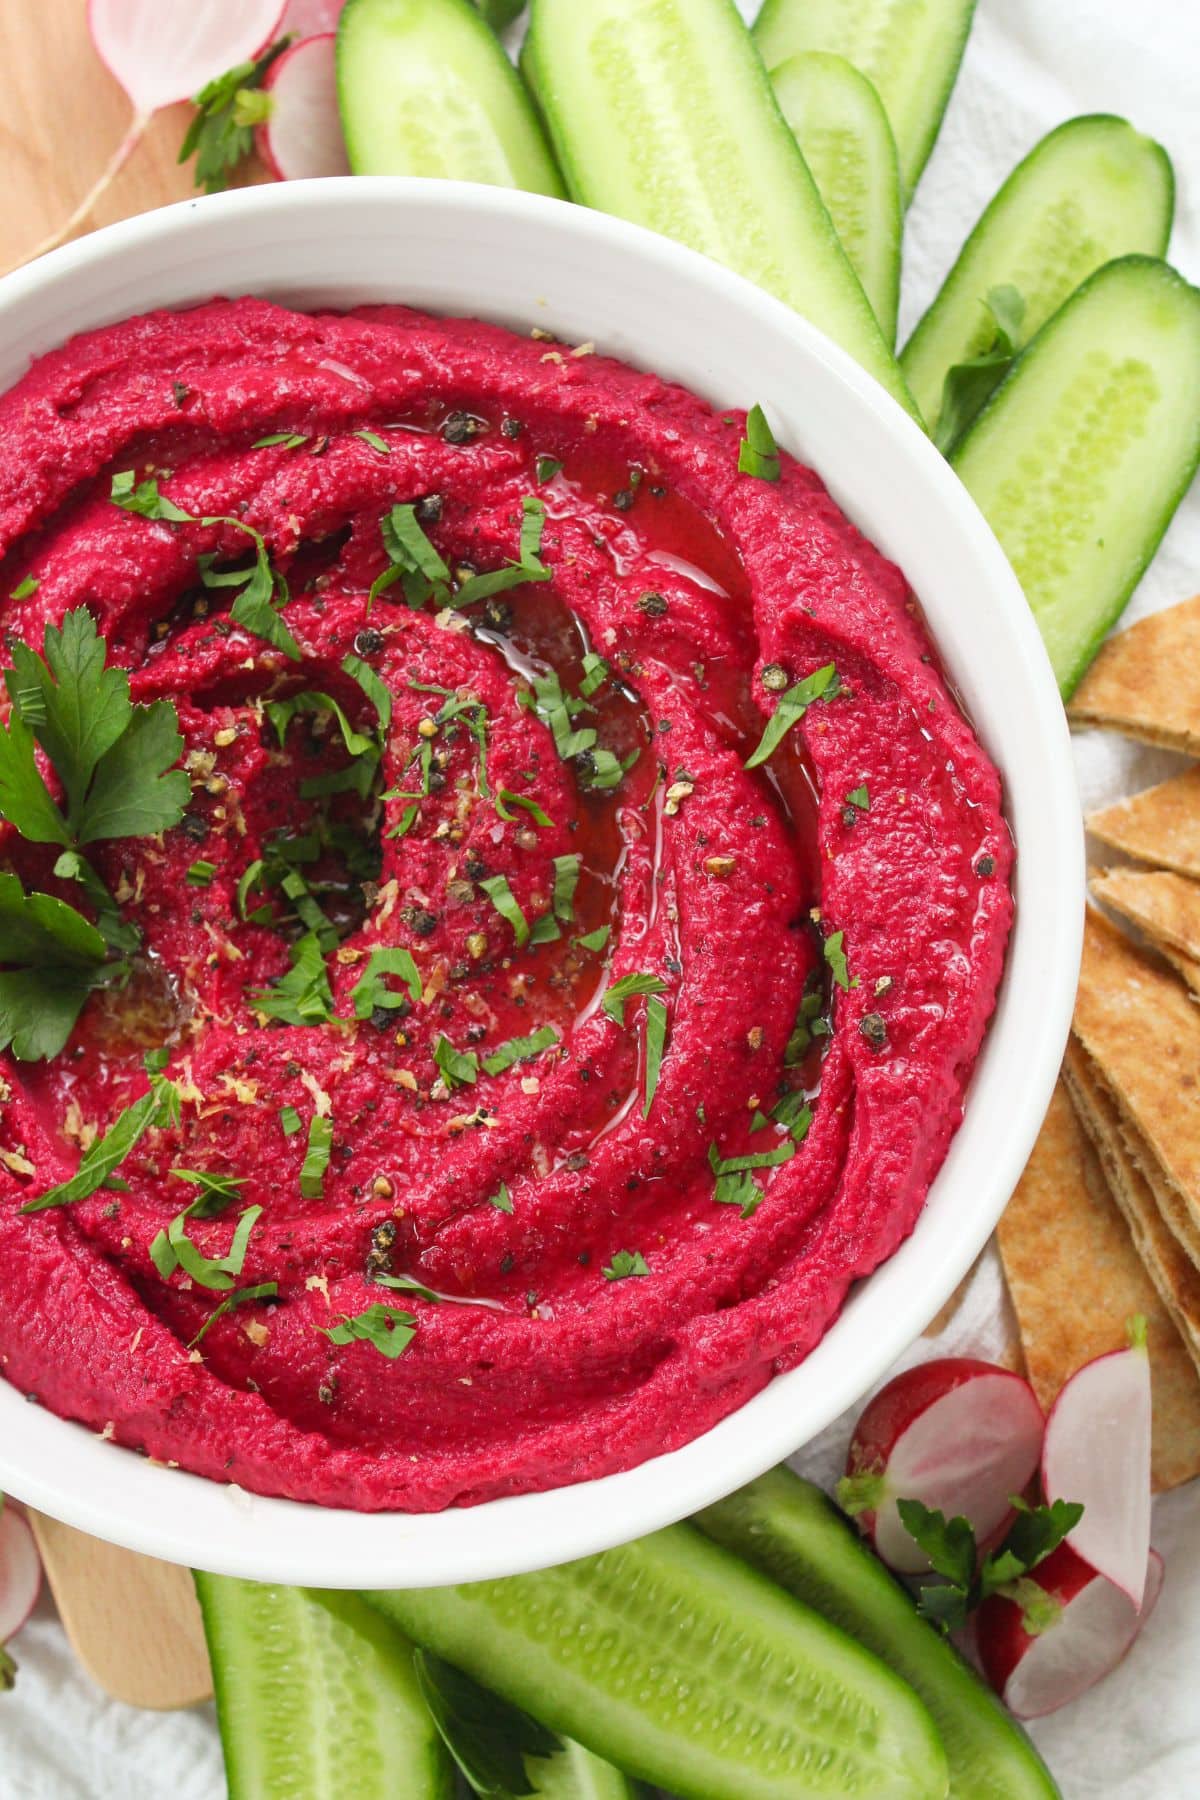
68, 1472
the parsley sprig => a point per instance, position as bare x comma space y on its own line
227, 109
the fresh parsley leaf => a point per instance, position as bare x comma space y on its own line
460, 1068
624, 1264
739, 1189
282, 712
1034, 1533
159, 1107
546, 468
216, 1191
386, 1328
595, 674
316, 1157
262, 1290
371, 989
506, 799
303, 995
488, 1738
143, 497
952, 1552
200, 873
376, 442
173, 1249
835, 956
791, 709
968, 385
528, 567
416, 563
793, 1112
595, 940
626, 988
501, 1199
758, 453
860, 798
566, 879
135, 792
25, 588
948, 1543
289, 1121
505, 902
376, 690
656, 1038
289, 440
519, 1050
221, 135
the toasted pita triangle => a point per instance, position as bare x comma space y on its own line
1186, 966
1146, 681
1166, 907
1173, 1317
1062, 1219
1161, 825
1142, 1031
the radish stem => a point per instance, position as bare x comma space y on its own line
108, 174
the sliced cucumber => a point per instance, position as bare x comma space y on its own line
790, 1530
909, 49
841, 127
661, 112
1079, 460
425, 88
690, 1670
316, 1697
1091, 190
575, 1774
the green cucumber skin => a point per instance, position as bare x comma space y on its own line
576, 1774
845, 138
406, 69
792, 1532
910, 50
316, 1697
661, 112
1091, 190
1112, 380
691, 1671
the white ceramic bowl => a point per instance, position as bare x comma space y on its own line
523, 261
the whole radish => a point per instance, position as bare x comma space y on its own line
1059, 1632
959, 1435
1097, 1450
161, 54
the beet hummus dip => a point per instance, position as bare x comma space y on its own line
541, 1074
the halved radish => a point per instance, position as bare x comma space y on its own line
20, 1572
959, 1435
1097, 1451
302, 134
310, 18
1074, 1635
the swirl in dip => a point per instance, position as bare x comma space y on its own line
524, 1220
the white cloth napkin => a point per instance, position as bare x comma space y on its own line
1029, 65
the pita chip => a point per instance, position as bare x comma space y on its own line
1165, 906
1142, 1031
1146, 681
1161, 825
1133, 1263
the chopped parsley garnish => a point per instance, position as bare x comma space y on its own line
173, 1249
734, 1186
503, 899
528, 567
157, 1108
460, 1068
415, 563
794, 1113
200, 873
262, 1290
624, 1264
758, 453
595, 940
302, 996
25, 588
371, 989
626, 988
386, 1328
289, 1121
656, 1038
793, 705
501, 1199
519, 1050
835, 956
290, 440
376, 442
546, 468
506, 800
216, 1191
113, 760
282, 712
810, 1023
376, 690
566, 879
860, 798
595, 674
741, 1190
227, 110
968, 384
316, 1157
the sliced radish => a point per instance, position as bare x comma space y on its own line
161, 54
20, 1573
302, 134
310, 18
1097, 1451
959, 1435
1077, 1629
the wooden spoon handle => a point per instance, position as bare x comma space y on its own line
133, 1622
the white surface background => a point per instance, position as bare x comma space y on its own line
1029, 65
